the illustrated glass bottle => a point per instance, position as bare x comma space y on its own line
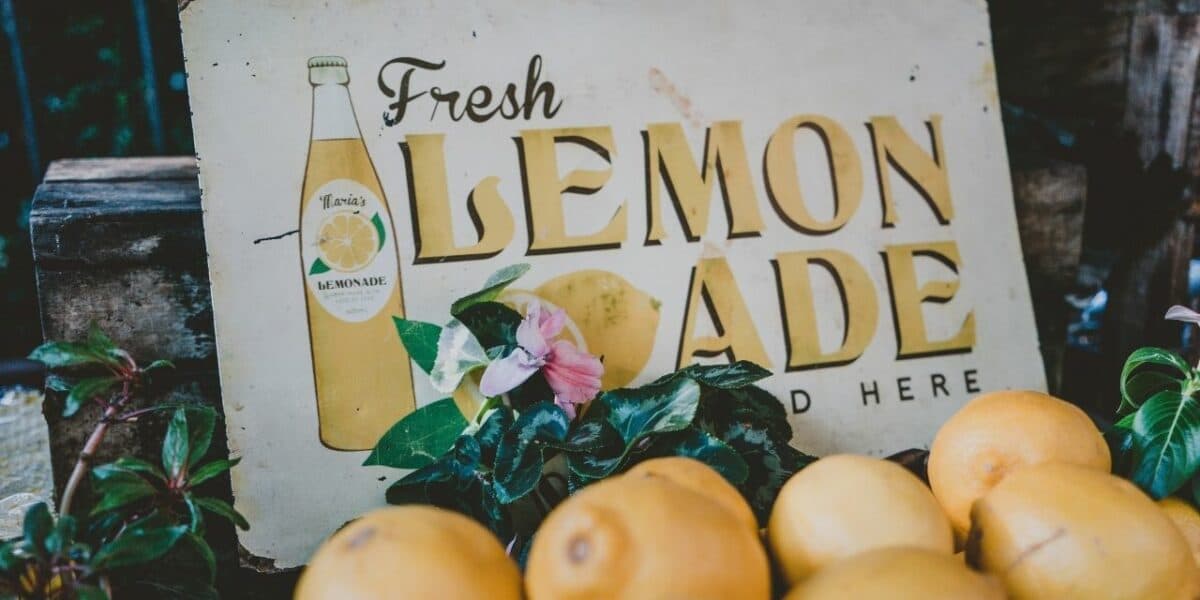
351, 271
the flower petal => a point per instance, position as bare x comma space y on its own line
551, 323
507, 373
529, 332
1182, 313
567, 407
573, 374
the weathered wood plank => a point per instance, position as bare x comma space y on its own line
1163, 56
122, 169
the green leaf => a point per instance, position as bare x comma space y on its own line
85, 390
494, 324
750, 404
420, 437
118, 488
201, 420
654, 408
140, 466
195, 545
175, 449
458, 353
222, 509
161, 363
727, 377
89, 592
706, 448
519, 458
10, 556
195, 515
770, 463
1168, 442
491, 288
62, 536
380, 230
318, 267
38, 525
57, 355
136, 546
211, 469
491, 431
420, 339
98, 340
1140, 358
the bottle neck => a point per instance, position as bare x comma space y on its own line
333, 114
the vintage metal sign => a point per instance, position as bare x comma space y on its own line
819, 186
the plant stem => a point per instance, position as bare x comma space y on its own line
89, 450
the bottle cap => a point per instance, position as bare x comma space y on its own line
327, 69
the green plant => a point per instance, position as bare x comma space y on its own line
497, 464
1156, 440
143, 512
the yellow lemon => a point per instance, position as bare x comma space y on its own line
416, 552
700, 478
898, 573
845, 504
1060, 531
996, 433
638, 537
1185, 517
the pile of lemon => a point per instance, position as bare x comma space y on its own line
1019, 488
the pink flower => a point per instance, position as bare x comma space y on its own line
573, 375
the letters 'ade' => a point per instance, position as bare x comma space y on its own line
819, 186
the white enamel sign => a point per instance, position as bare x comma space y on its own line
819, 186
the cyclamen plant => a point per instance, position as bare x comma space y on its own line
144, 513
1156, 440
541, 406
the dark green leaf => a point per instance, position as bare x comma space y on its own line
57, 383
201, 420
159, 364
1123, 446
1168, 442
56, 355
175, 448
1196, 490
493, 324
420, 437
491, 431
222, 509
655, 408
89, 592
595, 448
211, 469
194, 545
195, 515
519, 459
706, 448
10, 556
136, 546
62, 536
380, 231
727, 377
770, 463
38, 525
420, 339
118, 487
531, 391
140, 466
1143, 357
491, 288
98, 340
84, 391
750, 404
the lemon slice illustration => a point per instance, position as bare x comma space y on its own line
348, 241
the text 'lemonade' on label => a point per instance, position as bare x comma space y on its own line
350, 263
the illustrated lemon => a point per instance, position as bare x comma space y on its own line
846, 504
639, 537
898, 573
415, 552
1063, 531
699, 478
999, 432
347, 241
616, 321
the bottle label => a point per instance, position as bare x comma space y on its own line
349, 256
